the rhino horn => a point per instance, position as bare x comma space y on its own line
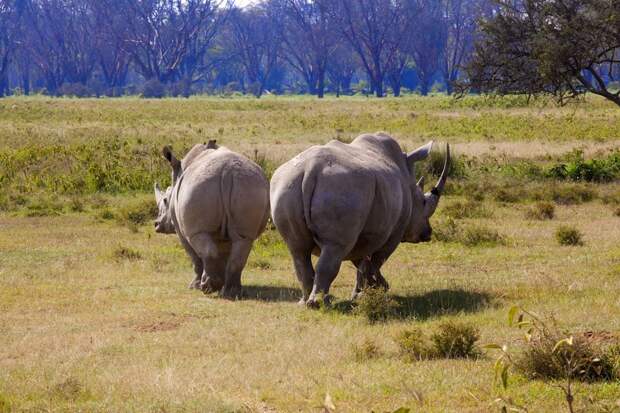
421, 183
158, 194
432, 198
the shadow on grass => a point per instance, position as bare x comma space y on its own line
431, 304
270, 293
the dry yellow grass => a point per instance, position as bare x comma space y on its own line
83, 329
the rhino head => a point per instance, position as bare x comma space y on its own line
163, 223
424, 204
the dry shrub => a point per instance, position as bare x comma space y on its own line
567, 235
413, 345
126, 253
541, 211
376, 305
470, 235
468, 209
366, 350
452, 340
456, 340
552, 354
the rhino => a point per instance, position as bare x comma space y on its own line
353, 202
218, 204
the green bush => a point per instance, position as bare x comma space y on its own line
376, 305
541, 211
567, 235
456, 340
138, 213
576, 168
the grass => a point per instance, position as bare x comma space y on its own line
83, 329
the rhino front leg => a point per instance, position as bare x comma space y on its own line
239, 253
327, 268
196, 262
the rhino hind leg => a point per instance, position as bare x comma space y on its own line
369, 275
239, 252
304, 272
327, 269
213, 275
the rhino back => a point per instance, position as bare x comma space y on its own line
350, 195
222, 193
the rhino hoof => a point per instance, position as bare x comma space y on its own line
231, 293
195, 285
312, 303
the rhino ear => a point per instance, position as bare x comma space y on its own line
212, 144
158, 194
175, 164
419, 154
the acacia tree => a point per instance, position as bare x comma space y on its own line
374, 29
309, 40
255, 40
161, 34
10, 16
461, 24
564, 48
426, 39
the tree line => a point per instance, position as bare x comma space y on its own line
185, 46
181, 47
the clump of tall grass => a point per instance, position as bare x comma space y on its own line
121, 253
376, 305
467, 209
567, 235
451, 340
267, 165
470, 235
541, 211
136, 214
366, 350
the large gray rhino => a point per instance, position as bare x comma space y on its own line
218, 205
354, 202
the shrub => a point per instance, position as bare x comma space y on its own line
567, 235
413, 345
126, 253
576, 168
470, 235
153, 89
456, 340
541, 210
508, 196
617, 212
106, 214
376, 305
467, 209
474, 235
76, 205
572, 194
367, 350
138, 213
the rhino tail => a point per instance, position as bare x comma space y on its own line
226, 191
308, 184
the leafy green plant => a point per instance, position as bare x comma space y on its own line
577, 168
552, 353
567, 235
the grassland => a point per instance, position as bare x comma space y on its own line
94, 310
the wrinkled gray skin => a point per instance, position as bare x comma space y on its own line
354, 202
218, 205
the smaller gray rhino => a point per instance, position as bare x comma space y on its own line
218, 205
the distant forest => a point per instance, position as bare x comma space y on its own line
182, 47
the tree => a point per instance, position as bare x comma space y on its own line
563, 47
162, 34
10, 19
255, 37
461, 24
309, 40
374, 28
427, 39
